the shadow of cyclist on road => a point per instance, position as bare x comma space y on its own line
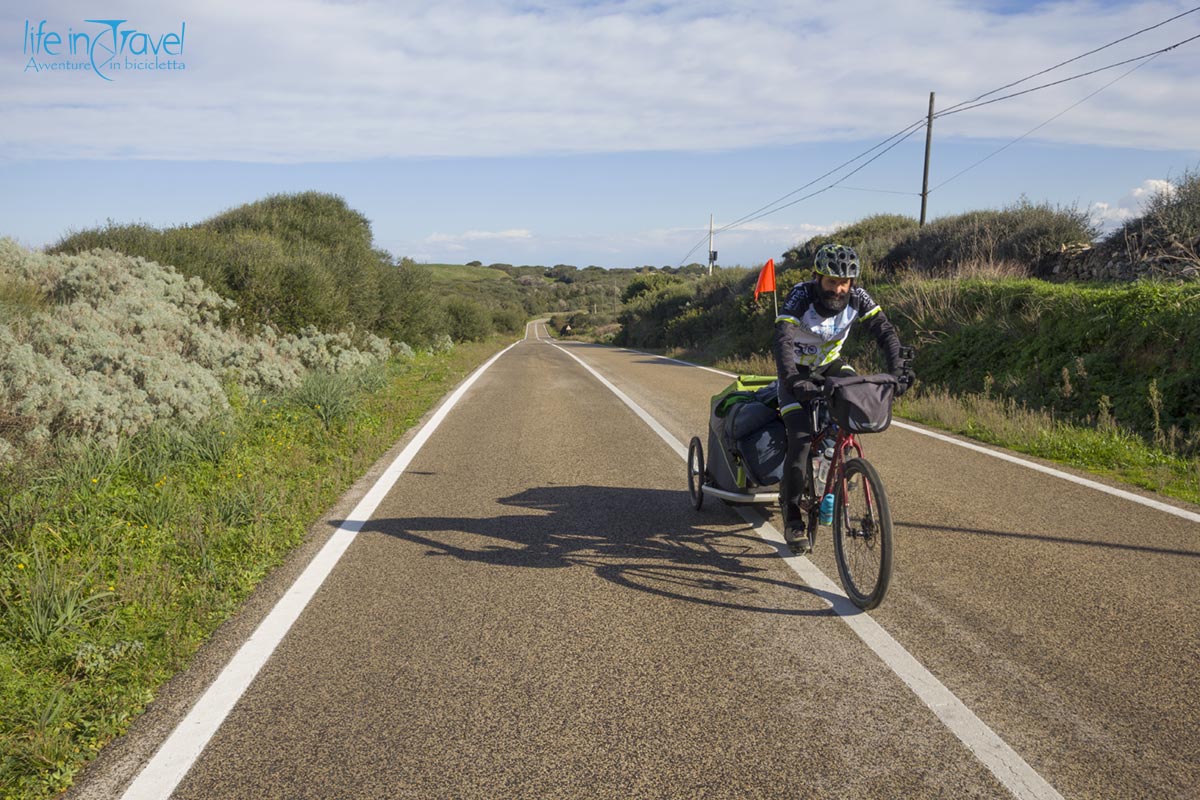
646, 539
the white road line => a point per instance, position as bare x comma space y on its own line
685, 363
992, 751
674, 443
1066, 476
179, 752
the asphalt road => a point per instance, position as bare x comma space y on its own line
535, 610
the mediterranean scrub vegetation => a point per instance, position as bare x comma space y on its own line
1101, 375
168, 434
294, 261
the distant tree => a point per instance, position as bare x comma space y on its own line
474, 263
563, 272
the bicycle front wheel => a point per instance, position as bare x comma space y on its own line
862, 534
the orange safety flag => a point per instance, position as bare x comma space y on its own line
766, 279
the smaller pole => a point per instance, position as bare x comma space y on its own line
928, 142
710, 250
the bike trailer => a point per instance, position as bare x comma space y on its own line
747, 442
862, 403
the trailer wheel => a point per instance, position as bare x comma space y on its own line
696, 472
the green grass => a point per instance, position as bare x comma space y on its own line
115, 567
1104, 449
1061, 347
458, 273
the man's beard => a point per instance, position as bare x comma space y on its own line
833, 301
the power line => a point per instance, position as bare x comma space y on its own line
908, 131
957, 110
1070, 60
1044, 124
879, 191
835, 183
762, 211
905, 132
966, 105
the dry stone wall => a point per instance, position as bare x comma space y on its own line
1178, 260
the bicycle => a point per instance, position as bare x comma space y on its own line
862, 519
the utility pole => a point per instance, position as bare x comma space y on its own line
928, 142
712, 254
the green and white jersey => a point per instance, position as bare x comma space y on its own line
811, 340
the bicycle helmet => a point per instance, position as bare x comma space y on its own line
836, 261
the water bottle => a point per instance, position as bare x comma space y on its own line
826, 511
821, 467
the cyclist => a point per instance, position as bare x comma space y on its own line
809, 332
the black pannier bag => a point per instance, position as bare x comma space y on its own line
862, 403
758, 436
747, 442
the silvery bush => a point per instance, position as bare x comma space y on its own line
112, 344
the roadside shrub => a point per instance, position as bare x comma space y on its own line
1059, 347
508, 320
647, 284
872, 237
410, 310
469, 321
290, 260
712, 315
645, 317
332, 352
123, 343
1021, 233
584, 323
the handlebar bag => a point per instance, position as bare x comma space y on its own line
862, 403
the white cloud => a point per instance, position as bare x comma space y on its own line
1152, 188
1110, 216
477, 236
749, 245
306, 80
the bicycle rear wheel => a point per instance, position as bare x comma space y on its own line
862, 534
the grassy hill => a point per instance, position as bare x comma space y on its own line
454, 274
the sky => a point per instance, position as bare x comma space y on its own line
586, 133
